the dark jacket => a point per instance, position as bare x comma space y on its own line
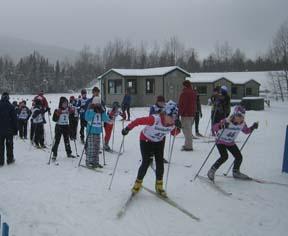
187, 102
8, 118
126, 100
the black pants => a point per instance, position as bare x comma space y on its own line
83, 124
39, 134
22, 125
126, 108
8, 140
73, 128
197, 118
234, 150
148, 150
32, 131
59, 131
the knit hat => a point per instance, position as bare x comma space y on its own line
186, 83
171, 109
224, 88
239, 111
5, 96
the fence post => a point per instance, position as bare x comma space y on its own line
285, 157
5, 229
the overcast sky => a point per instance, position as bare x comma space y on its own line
247, 24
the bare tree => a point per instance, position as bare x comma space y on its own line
280, 49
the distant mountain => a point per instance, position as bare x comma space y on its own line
17, 48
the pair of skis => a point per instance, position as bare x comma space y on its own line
168, 200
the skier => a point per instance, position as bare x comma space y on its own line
38, 124
108, 126
61, 117
227, 131
94, 117
73, 118
155, 109
8, 128
151, 142
24, 114
40, 96
81, 106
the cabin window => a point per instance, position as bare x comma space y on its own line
150, 85
115, 86
202, 89
234, 90
248, 91
132, 86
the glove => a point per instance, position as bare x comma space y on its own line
254, 126
125, 131
178, 124
49, 111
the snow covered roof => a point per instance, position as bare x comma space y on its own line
157, 71
261, 77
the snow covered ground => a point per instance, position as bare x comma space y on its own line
37, 199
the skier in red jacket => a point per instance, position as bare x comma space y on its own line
151, 142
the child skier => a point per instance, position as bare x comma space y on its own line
24, 114
227, 131
73, 118
151, 142
38, 124
94, 117
108, 126
61, 117
82, 108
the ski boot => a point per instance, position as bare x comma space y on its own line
70, 155
211, 174
238, 175
165, 161
159, 188
199, 135
97, 165
137, 186
54, 157
107, 148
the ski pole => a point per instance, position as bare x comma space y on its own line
169, 161
227, 172
205, 134
208, 155
76, 148
113, 133
169, 148
50, 127
85, 144
104, 159
118, 157
123, 139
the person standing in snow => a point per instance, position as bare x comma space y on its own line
61, 117
38, 124
151, 142
8, 128
187, 110
44, 103
94, 117
108, 126
24, 114
126, 103
198, 115
81, 106
227, 131
73, 118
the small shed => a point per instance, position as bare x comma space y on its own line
253, 103
144, 85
